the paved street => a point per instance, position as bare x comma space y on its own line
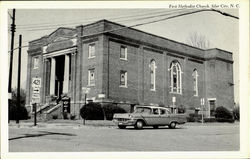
79, 138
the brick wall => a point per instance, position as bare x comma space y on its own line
214, 68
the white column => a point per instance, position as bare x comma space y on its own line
52, 76
66, 75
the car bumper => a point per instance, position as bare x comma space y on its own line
129, 122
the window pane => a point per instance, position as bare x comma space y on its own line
123, 52
175, 80
35, 62
92, 77
152, 74
91, 50
123, 78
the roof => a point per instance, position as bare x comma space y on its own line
151, 106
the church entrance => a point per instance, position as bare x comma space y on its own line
59, 76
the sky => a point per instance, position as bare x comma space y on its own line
221, 31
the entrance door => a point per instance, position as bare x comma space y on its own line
212, 107
59, 76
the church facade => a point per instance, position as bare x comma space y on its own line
127, 67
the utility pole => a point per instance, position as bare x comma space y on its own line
13, 29
19, 79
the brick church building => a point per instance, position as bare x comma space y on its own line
127, 67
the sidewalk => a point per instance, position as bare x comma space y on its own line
60, 122
94, 123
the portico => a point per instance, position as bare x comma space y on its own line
58, 76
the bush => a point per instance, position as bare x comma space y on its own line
225, 120
209, 120
222, 114
190, 119
161, 104
16, 112
110, 110
72, 117
236, 113
181, 109
55, 116
92, 111
194, 118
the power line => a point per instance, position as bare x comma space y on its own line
10, 15
140, 24
50, 28
225, 14
91, 20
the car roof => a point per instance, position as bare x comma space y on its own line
150, 106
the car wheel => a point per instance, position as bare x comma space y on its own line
172, 125
139, 124
155, 127
122, 126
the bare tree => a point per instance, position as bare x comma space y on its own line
198, 40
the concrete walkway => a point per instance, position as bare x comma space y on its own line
59, 123
97, 123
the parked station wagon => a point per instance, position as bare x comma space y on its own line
149, 116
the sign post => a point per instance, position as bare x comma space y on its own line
36, 85
34, 109
85, 90
202, 108
174, 108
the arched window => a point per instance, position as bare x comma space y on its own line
195, 82
152, 74
175, 77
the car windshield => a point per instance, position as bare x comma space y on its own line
142, 110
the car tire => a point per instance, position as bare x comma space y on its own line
155, 127
122, 126
172, 125
139, 124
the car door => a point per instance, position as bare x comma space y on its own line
153, 118
165, 116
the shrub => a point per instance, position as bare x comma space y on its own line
161, 104
55, 116
190, 119
236, 113
92, 111
110, 110
222, 114
194, 118
209, 120
72, 117
181, 109
16, 112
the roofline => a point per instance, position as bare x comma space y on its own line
164, 37
105, 20
152, 106
45, 36
220, 50
153, 35
102, 20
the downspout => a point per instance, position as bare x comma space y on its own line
108, 71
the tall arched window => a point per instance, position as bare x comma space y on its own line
152, 74
175, 77
195, 82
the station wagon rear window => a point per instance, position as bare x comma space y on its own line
142, 110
